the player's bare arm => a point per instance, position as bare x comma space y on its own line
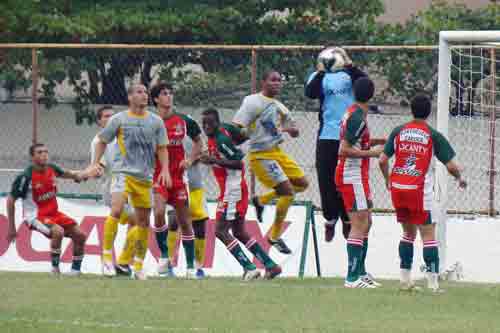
11, 216
195, 153
222, 162
454, 170
164, 179
348, 150
292, 129
377, 141
383, 163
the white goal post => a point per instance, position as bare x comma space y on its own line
471, 41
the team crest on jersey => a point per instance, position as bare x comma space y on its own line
179, 129
409, 168
37, 186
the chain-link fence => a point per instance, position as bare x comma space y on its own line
76, 79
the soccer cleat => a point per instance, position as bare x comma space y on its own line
359, 283
108, 269
251, 275
123, 270
409, 286
273, 272
200, 274
138, 275
368, 278
280, 245
73, 273
329, 231
191, 274
259, 209
163, 264
433, 283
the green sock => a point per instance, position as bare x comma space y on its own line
188, 244
260, 254
238, 253
55, 257
431, 256
362, 268
161, 241
354, 250
406, 253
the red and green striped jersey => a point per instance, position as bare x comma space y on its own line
38, 190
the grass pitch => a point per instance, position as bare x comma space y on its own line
37, 302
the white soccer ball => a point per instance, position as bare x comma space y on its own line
332, 59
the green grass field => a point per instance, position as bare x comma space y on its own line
37, 302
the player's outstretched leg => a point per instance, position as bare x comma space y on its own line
222, 233
239, 231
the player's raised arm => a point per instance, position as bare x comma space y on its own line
194, 132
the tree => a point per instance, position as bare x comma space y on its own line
100, 77
412, 71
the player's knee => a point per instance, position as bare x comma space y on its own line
199, 229
159, 219
79, 237
300, 184
285, 189
56, 232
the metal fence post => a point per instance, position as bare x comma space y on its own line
34, 93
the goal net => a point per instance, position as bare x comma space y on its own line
469, 115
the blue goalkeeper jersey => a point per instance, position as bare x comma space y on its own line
334, 89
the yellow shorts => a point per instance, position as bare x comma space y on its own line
139, 192
197, 205
274, 166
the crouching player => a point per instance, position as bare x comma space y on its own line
352, 180
229, 171
36, 186
413, 145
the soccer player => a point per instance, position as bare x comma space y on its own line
36, 186
178, 127
103, 114
332, 84
413, 146
265, 119
141, 137
229, 172
352, 180
199, 216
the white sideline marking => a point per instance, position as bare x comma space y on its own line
103, 325
129, 326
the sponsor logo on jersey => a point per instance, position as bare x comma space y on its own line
412, 148
414, 135
47, 196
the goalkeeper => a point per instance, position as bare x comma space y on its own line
332, 84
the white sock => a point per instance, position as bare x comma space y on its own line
432, 280
405, 276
